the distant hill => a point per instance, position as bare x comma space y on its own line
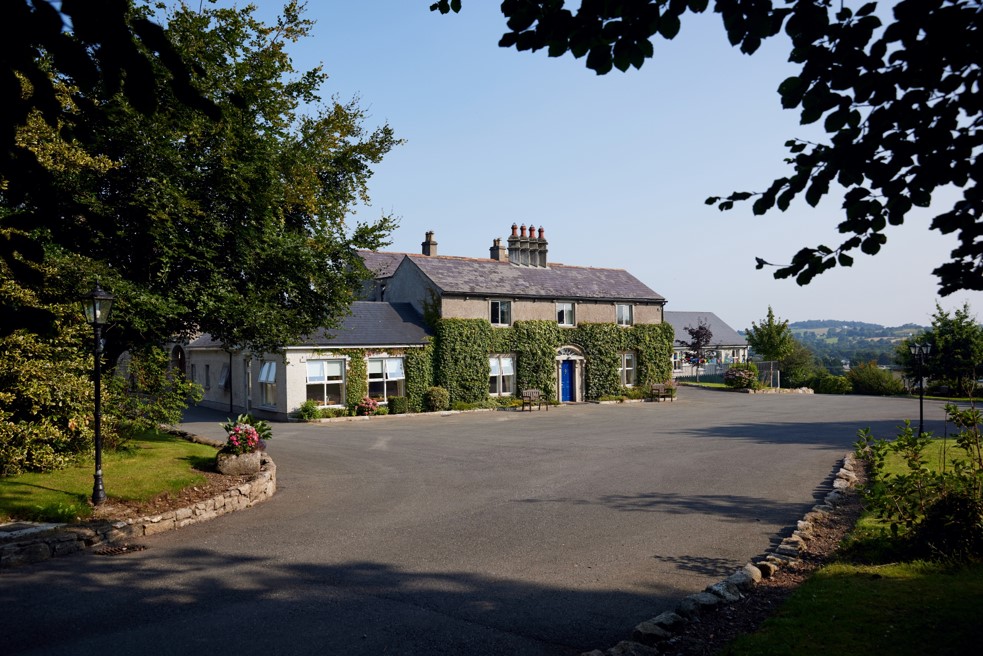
855, 341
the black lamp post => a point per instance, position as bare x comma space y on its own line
921, 352
97, 305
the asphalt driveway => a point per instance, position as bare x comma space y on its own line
479, 533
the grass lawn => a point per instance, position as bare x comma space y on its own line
898, 607
903, 608
154, 463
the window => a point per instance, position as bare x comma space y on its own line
677, 361
385, 378
564, 314
626, 369
208, 376
224, 380
326, 381
501, 313
501, 382
267, 383
194, 374
625, 316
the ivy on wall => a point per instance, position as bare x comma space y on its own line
419, 375
652, 344
461, 349
534, 344
602, 344
357, 377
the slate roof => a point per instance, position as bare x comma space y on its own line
369, 324
487, 277
723, 335
381, 264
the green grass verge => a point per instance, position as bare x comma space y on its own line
153, 464
904, 608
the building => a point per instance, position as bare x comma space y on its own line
410, 294
728, 346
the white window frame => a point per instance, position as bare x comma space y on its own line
224, 379
623, 368
508, 313
620, 310
562, 311
501, 374
267, 383
393, 374
323, 381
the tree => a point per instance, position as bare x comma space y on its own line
234, 227
799, 366
109, 46
700, 340
772, 340
900, 104
956, 354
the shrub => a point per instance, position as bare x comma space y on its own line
367, 406
742, 375
330, 413
937, 511
826, 383
398, 405
870, 379
308, 410
381, 410
436, 399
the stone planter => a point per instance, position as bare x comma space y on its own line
238, 465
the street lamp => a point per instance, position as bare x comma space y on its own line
97, 305
920, 353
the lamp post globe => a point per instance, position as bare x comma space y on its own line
96, 305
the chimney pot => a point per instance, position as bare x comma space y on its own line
515, 230
522, 230
542, 231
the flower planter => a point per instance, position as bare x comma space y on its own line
232, 464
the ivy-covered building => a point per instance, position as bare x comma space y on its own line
479, 327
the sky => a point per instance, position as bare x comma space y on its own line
615, 168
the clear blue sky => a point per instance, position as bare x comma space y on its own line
616, 168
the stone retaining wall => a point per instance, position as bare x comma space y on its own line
71, 539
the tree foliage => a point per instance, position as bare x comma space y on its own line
956, 355
234, 227
772, 340
109, 48
899, 102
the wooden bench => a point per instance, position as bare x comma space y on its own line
531, 396
660, 391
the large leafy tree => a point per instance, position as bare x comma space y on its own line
771, 339
54, 56
235, 227
900, 104
956, 355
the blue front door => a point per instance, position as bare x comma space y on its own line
566, 380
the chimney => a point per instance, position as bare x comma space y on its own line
429, 246
523, 246
497, 251
514, 245
542, 247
